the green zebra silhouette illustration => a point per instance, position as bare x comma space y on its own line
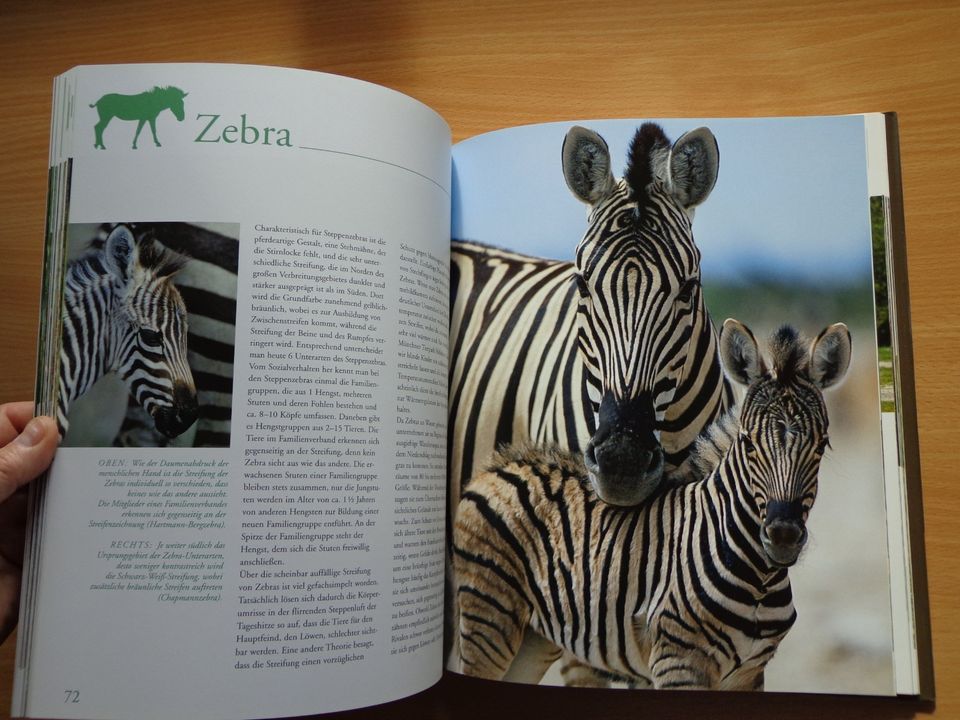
144, 108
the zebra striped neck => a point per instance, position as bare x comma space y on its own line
91, 335
683, 421
718, 468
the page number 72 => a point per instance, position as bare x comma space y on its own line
71, 696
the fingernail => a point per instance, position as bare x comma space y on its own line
32, 434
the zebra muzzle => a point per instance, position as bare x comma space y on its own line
782, 540
623, 472
624, 457
174, 419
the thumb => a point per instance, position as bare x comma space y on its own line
28, 455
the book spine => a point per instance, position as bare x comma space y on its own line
46, 390
907, 398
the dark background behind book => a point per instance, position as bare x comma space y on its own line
493, 65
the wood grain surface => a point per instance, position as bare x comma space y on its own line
487, 65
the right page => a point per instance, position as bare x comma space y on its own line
593, 270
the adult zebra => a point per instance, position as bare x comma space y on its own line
123, 314
613, 355
208, 285
689, 590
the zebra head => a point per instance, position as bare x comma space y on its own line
783, 425
641, 307
149, 329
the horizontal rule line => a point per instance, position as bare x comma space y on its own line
378, 160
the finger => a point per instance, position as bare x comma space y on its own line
13, 418
27, 455
9, 597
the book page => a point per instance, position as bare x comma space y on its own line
245, 517
784, 237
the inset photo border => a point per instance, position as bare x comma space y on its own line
149, 326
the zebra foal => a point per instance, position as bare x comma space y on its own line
689, 590
208, 286
122, 314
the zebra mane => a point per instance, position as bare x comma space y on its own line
709, 449
649, 141
529, 454
159, 259
789, 355
163, 90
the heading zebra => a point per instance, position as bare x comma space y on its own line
613, 356
689, 590
123, 314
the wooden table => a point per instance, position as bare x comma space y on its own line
495, 64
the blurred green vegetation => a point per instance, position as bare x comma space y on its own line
878, 235
763, 302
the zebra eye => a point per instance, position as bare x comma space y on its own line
748, 443
687, 291
823, 445
582, 287
150, 337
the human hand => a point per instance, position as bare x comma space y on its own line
26, 450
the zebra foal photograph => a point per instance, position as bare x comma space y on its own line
148, 330
690, 590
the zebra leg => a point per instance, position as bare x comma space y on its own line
98, 133
576, 673
746, 679
153, 130
491, 630
681, 667
533, 659
137, 133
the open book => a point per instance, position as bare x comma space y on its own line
268, 360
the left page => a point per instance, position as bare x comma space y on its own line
245, 517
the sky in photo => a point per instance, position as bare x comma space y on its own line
790, 203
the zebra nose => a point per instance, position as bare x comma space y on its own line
620, 455
185, 400
785, 533
621, 473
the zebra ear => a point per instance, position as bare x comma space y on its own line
830, 355
586, 165
120, 252
694, 164
740, 353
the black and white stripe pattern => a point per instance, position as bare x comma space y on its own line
614, 355
123, 314
689, 590
209, 288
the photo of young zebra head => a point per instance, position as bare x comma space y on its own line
594, 266
149, 320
